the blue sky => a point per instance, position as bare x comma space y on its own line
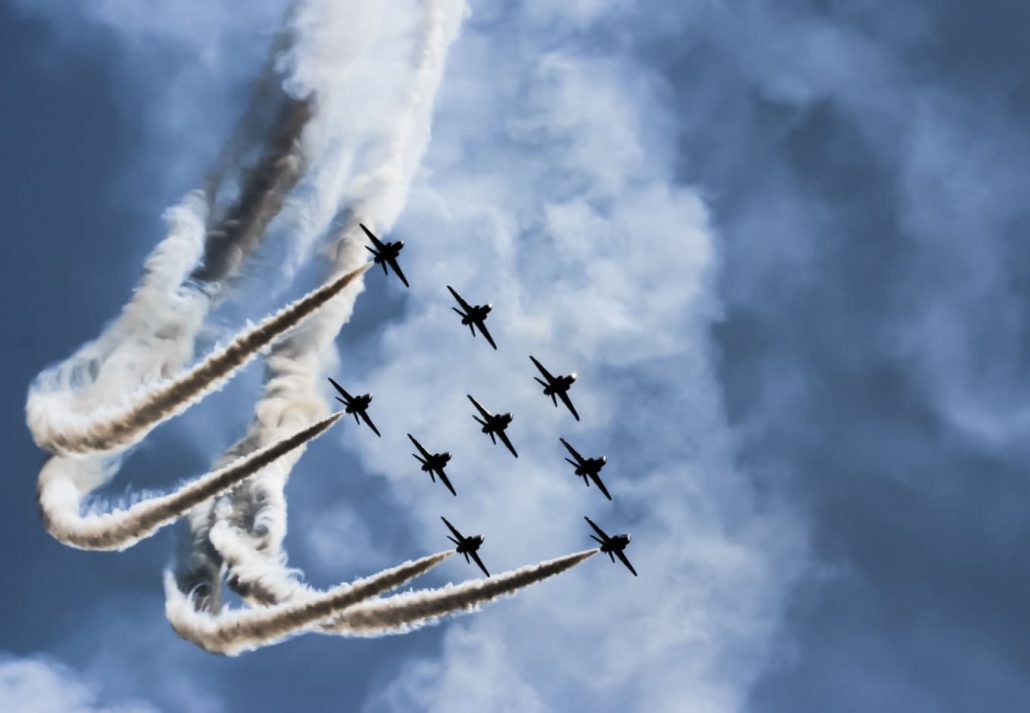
781, 246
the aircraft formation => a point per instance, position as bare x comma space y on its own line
494, 425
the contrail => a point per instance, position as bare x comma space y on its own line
89, 410
299, 362
264, 189
232, 632
404, 612
60, 493
266, 585
152, 337
120, 428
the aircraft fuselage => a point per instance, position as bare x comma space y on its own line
389, 250
476, 314
358, 403
561, 384
437, 461
497, 423
470, 544
591, 466
616, 543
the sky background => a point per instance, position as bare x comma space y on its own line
782, 248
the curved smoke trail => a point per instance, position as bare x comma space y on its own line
108, 396
297, 365
115, 428
60, 492
231, 632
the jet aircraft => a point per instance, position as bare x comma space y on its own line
473, 316
385, 254
494, 425
466, 545
357, 406
612, 545
557, 387
433, 463
587, 467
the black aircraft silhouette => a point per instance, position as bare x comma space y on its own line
385, 254
587, 467
557, 387
433, 463
473, 316
494, 425
612, 545
356, 406
466, 545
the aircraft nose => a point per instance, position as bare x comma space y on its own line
629, 537
572, 376
369, 397
401, 243
604, 459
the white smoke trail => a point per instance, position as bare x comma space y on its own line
116, 390
298, 364
232, 632
64, 481
151, 338
57, 430
405, 612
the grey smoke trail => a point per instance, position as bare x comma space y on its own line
111, 429
297, 363
261, 198
232, 632
405, 612
62, 486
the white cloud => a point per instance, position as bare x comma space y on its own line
42, 685
548, 191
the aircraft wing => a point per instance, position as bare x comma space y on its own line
341, 390
475, 556
599, 531
423, 451
504, 439
564, 396
464, 305
371, 236
625, 561
545, 372
600, 486
573, 451
443, 478
482, 328
397, 269
486, 414
452, 528
366, 419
